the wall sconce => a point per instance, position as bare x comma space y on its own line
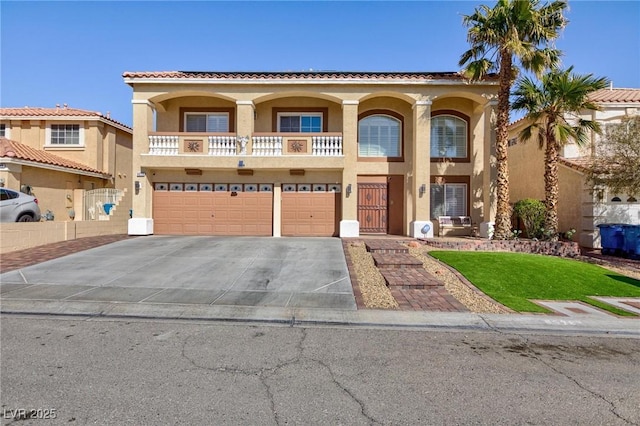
423, 189
348, 190
1, 181
240, 163
137, 185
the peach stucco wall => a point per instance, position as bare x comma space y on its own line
156, 108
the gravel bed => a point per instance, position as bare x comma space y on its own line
468, 297
375, 293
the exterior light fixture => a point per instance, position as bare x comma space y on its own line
348, 190
423, 189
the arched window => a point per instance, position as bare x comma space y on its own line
380, 135
449, 137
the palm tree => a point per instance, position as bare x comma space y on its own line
512, 31
553, 110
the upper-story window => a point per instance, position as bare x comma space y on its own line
65, 134
3, 130
450, 136
292, 122
213, 122
380, 135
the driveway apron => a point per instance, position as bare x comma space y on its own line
244, 271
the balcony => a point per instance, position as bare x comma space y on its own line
261, 144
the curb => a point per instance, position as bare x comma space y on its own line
410, 320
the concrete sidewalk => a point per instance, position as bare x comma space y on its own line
369, 318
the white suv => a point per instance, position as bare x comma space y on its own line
18, 207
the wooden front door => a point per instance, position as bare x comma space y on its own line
373, 208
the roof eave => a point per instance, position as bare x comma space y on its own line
11, 160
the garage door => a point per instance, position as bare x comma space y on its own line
310, 210
213, 209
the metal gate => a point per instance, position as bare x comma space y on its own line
373, 207
99, 202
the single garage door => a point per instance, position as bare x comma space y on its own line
213, 209
310, 210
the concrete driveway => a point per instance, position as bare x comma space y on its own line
241, 271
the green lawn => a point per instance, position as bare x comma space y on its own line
513, 278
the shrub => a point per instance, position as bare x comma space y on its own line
531, 212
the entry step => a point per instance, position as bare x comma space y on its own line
410, 279
385, 246
395, 261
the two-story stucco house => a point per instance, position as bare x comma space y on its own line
579, 207
59, 153
309, 153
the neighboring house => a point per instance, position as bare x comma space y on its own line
578, 207
309, 153
60, 153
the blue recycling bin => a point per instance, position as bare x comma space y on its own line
611, 238
631, 240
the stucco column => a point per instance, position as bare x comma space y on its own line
277, 209
489, 169
245, 121
349, 226
142, 221
421, 225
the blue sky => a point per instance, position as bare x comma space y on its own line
74, 52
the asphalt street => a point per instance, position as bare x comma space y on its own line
127, 371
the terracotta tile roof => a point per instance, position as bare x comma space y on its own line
579, 163
304, 75
17, 150
616, 95
56, 112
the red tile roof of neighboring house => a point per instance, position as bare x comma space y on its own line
57, 112
580, 164
17, 150
616, 95
304, 75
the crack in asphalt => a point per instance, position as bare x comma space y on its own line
534, 355
363, 408
262, 374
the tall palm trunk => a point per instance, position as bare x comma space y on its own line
551, 187
502, 228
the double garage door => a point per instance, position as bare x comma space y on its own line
243, 209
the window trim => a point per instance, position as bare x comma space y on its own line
204, 110
452, 180
298, 114
389, 113
49, 132
461, 116
276, 111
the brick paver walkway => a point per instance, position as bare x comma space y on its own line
428, 299
23, 258
410, 284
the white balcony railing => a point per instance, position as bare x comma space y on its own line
163, 145
266, 145
222, 145
326, 145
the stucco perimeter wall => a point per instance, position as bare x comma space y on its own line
20, 236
